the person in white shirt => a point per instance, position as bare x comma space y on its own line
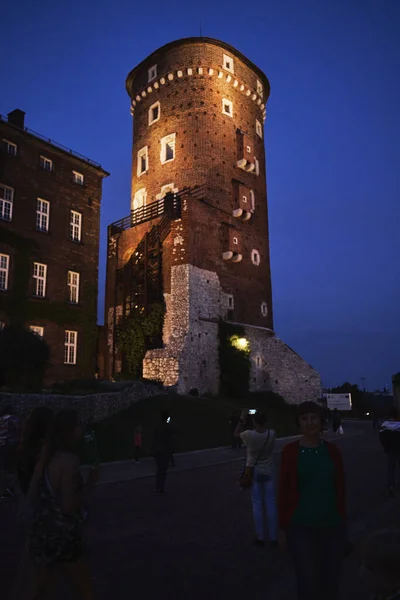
260, 443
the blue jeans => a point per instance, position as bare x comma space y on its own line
263, 496
317, 554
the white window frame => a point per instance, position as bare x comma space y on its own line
42, 214
6, 202
143, 153
4, 271
235, 241
40, 279
70, 347
255, 257
152, 73
227, 63
151, 109
225, 104
37, 330
73, 281
46, 163
11, 148
168, 140
264, 309
260, 88
139, 199
78, 178
75, 226
259, 129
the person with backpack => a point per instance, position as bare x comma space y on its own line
258, 475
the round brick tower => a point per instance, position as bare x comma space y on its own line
199, 108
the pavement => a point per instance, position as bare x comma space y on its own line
195, 541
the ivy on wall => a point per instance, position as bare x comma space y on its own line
21, 308
234, 360
135, 334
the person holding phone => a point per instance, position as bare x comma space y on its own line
260, 443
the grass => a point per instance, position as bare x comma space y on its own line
198, 422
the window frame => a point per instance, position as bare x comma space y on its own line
140, 193
43, 160
142, 153
73, 225
231, 302
38, 330
37, 278
168, 140
6, 202
229, 103
226, 58
257, 166
152, 73
5, 270
259, 129
255, 257
73, 287
152, 107
259, 87
264, 309
40, 214
80, 180
8, 144
235, 241
70, 346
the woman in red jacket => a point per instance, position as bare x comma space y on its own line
311, 506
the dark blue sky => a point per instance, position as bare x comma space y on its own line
332, 140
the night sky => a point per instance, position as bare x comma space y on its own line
332, 141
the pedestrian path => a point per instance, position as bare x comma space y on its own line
126, 470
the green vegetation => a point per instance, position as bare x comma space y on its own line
234, 360
199, 422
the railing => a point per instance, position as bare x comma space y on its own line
56, 144
170, 205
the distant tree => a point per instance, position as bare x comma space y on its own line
24, 358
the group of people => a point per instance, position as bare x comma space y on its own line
309, 514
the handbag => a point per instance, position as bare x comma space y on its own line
247, 474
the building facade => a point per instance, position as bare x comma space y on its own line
49, 245
198, 226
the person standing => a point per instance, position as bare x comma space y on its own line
389, 437
312, 508
137, 439
162, 450
336, 420
260, 453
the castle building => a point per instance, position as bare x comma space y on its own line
197, 231
49, 245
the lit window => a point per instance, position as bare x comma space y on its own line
228, 63
231, 302
152, 72
255, 257
168, 148
39, 279
77, 177
6, 202
142, 161
139, 199
227, 107
42, 214
37, 330
73, 287
235, 241
264, 309
154, 113
46, 163
75, 226
259, 130
70, 347
260, 88
4, 268
10, 147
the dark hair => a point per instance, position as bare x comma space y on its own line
61, 433
260, 418
308, 407
37, 428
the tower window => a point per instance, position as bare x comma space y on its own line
154, 113
142, 161
228, 63
4, 268
168, 148
259, 130
139, 199
10, 147
252, 201
264, 309
235, 241
231, 302
255, 257
248, 148
46, 163
260, 88
152, 73
6, 202
227, 107
78, 178
258, 361
244, 199
257, 167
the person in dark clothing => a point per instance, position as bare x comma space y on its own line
389, 437
9, 440
34, 435
233, 422
163, 450
336, 420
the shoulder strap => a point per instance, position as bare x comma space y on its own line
263, 448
